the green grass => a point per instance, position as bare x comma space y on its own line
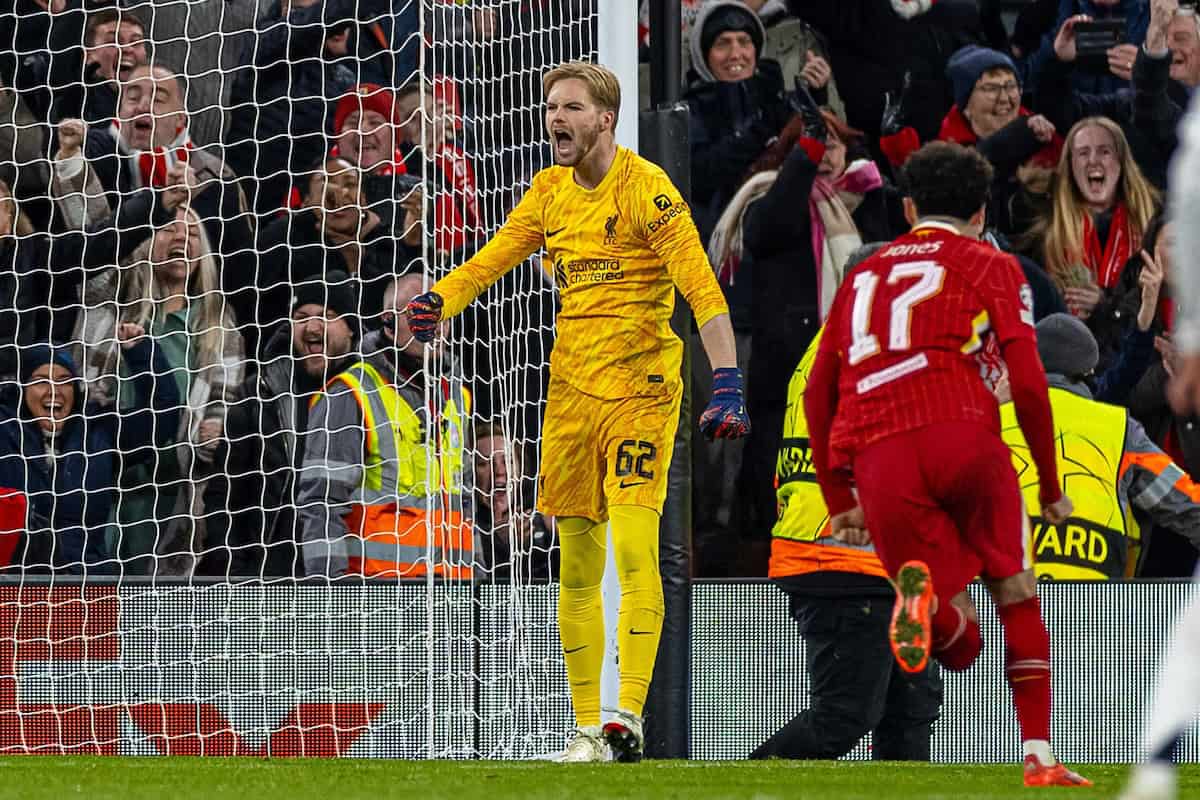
98, 778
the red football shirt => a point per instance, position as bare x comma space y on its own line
917, 329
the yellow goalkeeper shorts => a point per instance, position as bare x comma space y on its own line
598, 453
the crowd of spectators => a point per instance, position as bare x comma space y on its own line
192, 326
174, 306
787, 180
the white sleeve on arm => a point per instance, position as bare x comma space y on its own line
1185, 211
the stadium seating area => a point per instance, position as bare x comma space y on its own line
209, 210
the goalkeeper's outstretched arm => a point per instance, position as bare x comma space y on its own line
519, 237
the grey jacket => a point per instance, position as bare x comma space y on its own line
333, 458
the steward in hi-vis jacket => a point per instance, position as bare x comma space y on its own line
380, 496
1107, 465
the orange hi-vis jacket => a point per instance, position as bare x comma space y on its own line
800, 541
405, 512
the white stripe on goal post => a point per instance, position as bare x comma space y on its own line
617, 32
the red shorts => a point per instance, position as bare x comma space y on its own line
947, 495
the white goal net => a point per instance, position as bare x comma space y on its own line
240, 513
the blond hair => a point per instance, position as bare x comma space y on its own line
602, 84
1063, 238
209, 319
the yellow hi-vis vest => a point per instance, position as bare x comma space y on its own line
800, 541
407, 512
1095, 542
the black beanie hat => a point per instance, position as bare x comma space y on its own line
730, 18
336, 292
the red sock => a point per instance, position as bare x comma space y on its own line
1027, 662
956, 639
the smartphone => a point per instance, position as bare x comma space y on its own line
1094, 39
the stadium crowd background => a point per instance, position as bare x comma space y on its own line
209, 210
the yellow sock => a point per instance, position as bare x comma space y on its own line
582, 545
635, 539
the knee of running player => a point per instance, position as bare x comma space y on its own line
956, 637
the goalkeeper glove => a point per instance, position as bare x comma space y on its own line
725, 417
424, 312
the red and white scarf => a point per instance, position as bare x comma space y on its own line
149, 167
1107, 262
456, 212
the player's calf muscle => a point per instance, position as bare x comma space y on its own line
1013, 589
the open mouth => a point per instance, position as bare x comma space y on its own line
562, 141
1096, 180
736, 68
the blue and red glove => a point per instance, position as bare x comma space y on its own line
424, 312
725, 417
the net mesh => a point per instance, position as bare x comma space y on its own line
208, 211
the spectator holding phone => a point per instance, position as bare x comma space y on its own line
1149, 112
1114, 30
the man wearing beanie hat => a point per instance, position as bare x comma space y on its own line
1110, 461
987, 114
251, 500
65, 454
371, 505
738, 104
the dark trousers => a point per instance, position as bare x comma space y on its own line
857, 686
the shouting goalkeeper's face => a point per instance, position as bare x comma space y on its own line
574, 121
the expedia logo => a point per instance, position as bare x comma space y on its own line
1078, 543
590, 270
795, 461
665, 218
662, 202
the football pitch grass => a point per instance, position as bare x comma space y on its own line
101, 778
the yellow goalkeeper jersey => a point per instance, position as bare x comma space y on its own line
617, 251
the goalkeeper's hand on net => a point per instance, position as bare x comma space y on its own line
725, 417
424, 312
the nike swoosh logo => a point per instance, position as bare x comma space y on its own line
630, 485
632, 632
574, 650
555, 232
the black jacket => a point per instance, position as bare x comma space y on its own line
871, 48
293, 248
70, 497
41, 275
786, 310
730, 126
250, 503
281, 99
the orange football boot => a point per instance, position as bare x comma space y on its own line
911, 631
1037, 774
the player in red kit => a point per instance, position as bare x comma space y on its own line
899, 410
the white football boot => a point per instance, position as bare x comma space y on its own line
1150, 782
587, 745
624, 735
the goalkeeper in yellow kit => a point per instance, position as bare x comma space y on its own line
620, 239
